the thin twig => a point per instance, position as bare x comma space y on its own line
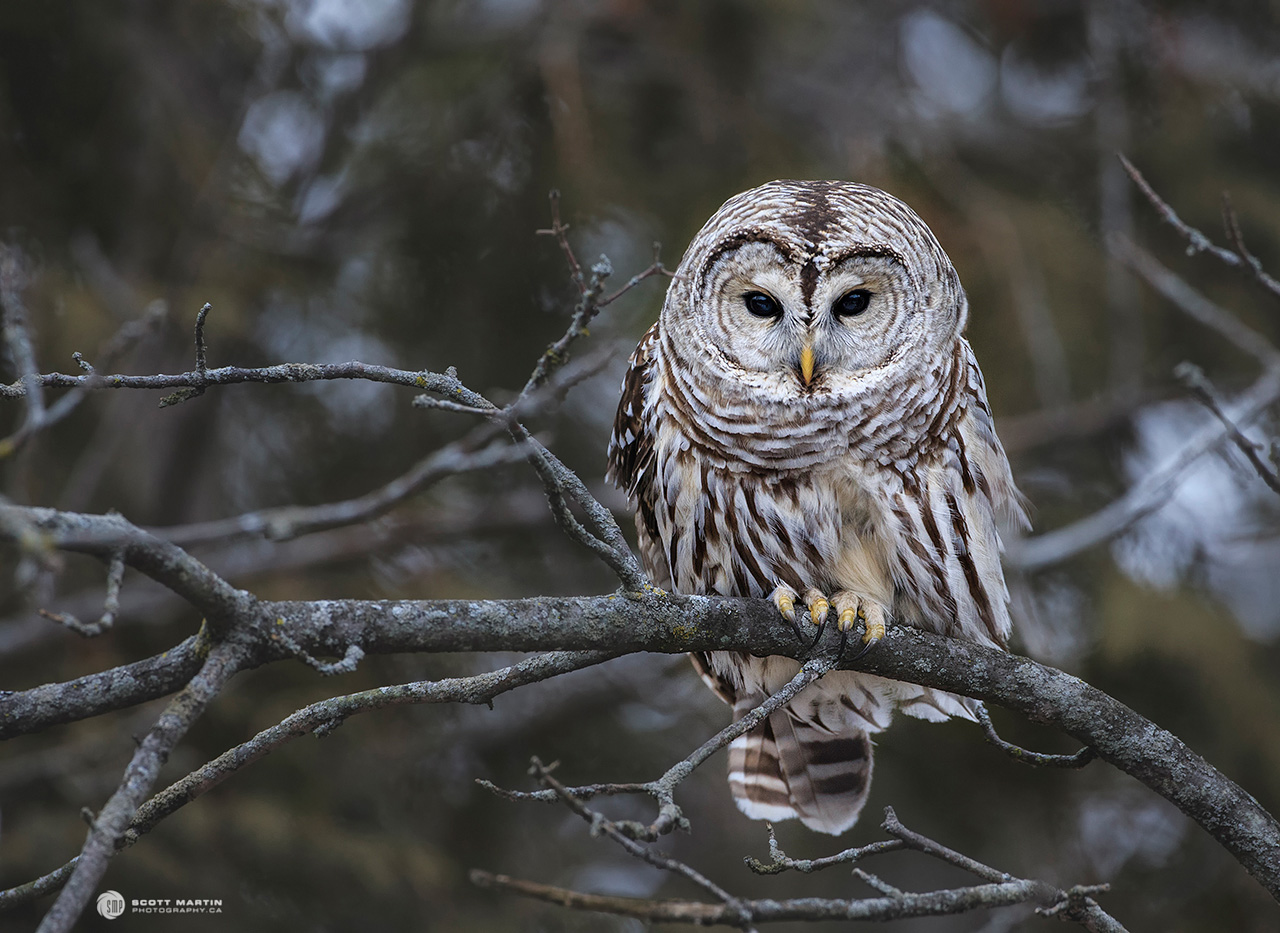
591, 298
654, 268
1035, 759
234, 375
202, 353
1075, 904
1197, 242
780, 861
662, 790
110, 605
1146, 495
478, 450
699, 913
14, 278
128, 334
657, 859
1194, 379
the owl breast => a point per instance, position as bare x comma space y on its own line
739, 532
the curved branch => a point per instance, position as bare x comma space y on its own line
106, 535
671, 624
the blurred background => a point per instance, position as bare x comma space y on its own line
362, 180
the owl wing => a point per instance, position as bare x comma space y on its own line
946, 528
631, 456
631, 465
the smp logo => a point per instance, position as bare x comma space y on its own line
111, 904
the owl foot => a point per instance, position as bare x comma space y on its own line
784, 597
852, 609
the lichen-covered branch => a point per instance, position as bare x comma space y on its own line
318, 718
700, 913
1002, 889
664, 623
27, 711
111, 822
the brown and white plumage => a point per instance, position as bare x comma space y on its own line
833, 439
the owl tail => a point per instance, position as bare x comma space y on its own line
790, 767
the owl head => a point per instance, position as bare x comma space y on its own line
802, 289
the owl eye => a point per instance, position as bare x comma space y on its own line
762, 305
851, 303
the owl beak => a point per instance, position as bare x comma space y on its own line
806, 364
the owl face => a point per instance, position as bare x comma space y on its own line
802, 289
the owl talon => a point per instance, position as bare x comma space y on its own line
784, 598
875, 627
818, 606
844, 643
867, 646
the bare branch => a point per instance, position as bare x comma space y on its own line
29, 711
202, 366
110, 824
110, 606
1235, 237
124, 338
13, 315
1146, 495
202, 353
281, 524
1193, 378
1074, 904
657, 622
109, 535
933, 904
1035, 759
599, 824
591, 298
780, 861
234, 375
1197, 242
662, 790
319, 718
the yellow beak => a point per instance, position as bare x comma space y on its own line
806, 364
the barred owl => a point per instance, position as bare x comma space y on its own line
806, 422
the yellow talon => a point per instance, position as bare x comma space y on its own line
818, 611
875, 630
787, 606
848, 619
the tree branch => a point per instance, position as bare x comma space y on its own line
933, 904
28, 711
110, 824
1197, 242
319, 718
1146, 495
671, 624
